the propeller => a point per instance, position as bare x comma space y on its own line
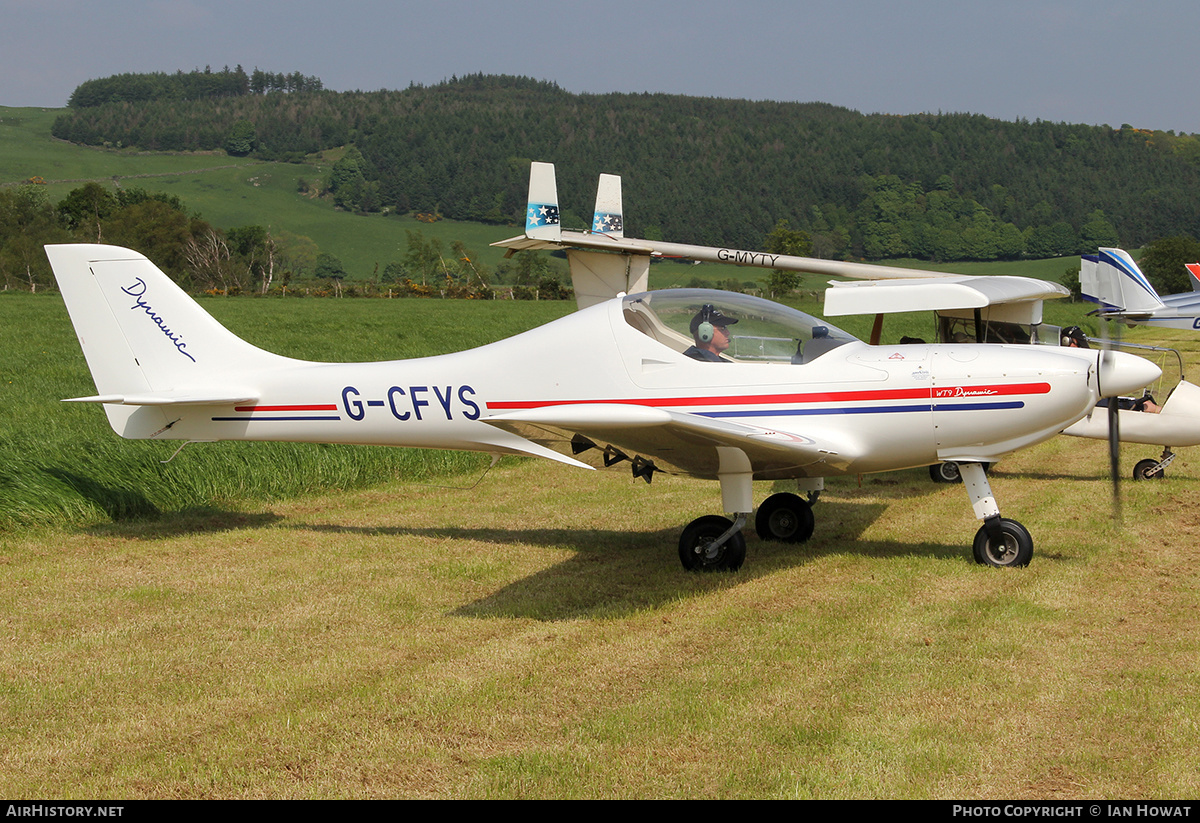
1114, 419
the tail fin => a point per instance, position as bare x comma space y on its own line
1112, 279
146, 342
541, 218
607, 217
1194, 275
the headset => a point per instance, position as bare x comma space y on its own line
705, 331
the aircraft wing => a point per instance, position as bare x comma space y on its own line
936, 294
711, 254
677, 442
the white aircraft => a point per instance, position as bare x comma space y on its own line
1113, 280
607, 386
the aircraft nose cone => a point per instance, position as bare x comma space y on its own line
1123, 373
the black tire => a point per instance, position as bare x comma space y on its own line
1144, 470
950, 472
785, 517
1016, 548
699, 534
945, 473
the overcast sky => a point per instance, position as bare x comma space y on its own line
1079, 61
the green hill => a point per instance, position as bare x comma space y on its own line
941, 186
226, 191
230, 192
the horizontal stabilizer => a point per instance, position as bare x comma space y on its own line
167, 399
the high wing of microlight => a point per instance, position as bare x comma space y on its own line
613, 386
1113, 281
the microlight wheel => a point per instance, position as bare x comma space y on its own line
696, 550
1015, 547
1144, 470
950, 472
785, 517
945, 473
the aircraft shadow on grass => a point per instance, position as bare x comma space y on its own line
118, 503
133, 515
616, 573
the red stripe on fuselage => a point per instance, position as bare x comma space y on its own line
927, 393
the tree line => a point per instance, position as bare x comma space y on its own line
194, 85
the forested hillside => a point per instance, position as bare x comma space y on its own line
713, 171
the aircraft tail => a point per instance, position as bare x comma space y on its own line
607, 218
1112, 279
146, 342
541, 216
1194, 275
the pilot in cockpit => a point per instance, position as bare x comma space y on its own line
710, 331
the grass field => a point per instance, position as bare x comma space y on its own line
392, 629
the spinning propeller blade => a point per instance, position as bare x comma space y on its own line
1114, 421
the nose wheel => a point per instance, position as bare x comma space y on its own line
713, 544
999, 541
1003, 543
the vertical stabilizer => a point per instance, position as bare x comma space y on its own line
1089, 280
1136, 293
1194, 275
139, 331
608, 217
541, 218
1112, 279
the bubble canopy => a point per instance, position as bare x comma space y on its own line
764, 331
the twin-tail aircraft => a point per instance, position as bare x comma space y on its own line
1113, 281
968, 309
707, 384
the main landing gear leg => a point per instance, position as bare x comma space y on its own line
999, 541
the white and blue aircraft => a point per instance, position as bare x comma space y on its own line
612, 385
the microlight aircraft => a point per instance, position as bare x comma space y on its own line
608, 386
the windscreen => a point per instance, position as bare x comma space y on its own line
758, 330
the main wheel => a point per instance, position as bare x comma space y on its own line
950, 472
1015, 546
697, 553
945, 473
785, 517
1144, 470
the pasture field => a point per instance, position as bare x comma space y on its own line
377, 623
